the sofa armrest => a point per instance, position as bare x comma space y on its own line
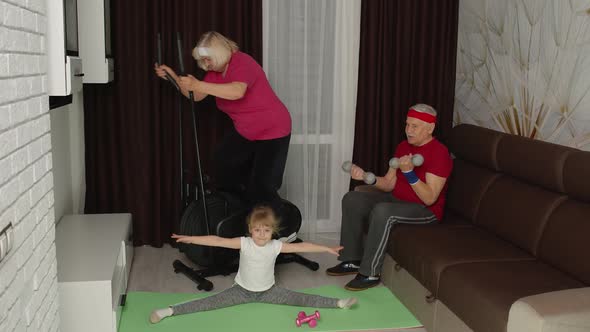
561, 311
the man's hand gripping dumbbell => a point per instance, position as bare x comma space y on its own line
406, 164
358, 173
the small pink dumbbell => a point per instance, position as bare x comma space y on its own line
312, 320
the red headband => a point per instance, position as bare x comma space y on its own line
412, 113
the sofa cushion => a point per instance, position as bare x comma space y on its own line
564, 243
536, 162
469, 183
482, 293
426, 251
455, 219
516, 211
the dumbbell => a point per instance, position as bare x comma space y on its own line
312, 320
368, 177
417, 160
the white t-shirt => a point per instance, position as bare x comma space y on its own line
256, 271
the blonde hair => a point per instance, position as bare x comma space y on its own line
265, 216
423, 108
220, 48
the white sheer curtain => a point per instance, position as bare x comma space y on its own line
310, 55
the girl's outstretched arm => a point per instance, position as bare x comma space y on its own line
309, 247
209, 240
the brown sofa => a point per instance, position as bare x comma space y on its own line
513, 251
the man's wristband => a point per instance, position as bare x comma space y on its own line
411, 177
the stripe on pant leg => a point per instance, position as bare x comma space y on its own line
423, 220
381, 247
390, 222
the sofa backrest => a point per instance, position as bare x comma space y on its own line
531, 193
564, 243
474, 168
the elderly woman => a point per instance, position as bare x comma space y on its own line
251, 158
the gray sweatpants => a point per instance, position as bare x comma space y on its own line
238, 295
381, 211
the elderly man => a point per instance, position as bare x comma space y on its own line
407, 195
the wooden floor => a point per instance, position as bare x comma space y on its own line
152, 271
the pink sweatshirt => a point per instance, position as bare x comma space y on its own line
260, 114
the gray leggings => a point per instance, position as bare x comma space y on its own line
381, 211
238, 295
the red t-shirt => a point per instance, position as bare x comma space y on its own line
260, 114
437, 161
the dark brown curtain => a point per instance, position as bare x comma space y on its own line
131, 125
407, 56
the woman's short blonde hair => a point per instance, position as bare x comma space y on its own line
265, 216
219, 49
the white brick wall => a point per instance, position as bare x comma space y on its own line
28, 275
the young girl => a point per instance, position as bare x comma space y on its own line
255, 281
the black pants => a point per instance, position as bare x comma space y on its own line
252, 169
381, 211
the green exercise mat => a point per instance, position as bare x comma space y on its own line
377, 308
